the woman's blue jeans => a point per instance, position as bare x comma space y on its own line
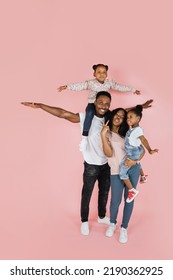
117, 188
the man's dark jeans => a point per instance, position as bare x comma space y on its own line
91, 174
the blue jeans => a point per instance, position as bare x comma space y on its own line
124, 171
117, 188
132, 152
93, 173
90, 112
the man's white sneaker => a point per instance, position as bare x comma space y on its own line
83, 144
123, 235
104, 220
85, 228
110, 230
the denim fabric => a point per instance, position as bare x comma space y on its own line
117, 188
93, 173
132, 153
90, 112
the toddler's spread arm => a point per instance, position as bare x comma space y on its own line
74, 86
78, 86
123, 88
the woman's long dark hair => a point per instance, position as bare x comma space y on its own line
124, 126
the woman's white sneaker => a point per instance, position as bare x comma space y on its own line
123, 235
110, 230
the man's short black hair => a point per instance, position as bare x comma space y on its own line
103, 93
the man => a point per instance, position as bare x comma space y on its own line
95, 162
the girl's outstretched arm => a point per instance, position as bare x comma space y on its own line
123, 88
147, 146
74, 86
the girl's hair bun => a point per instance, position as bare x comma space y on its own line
139, 109
99, 65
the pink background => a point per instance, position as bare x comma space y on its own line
48, 43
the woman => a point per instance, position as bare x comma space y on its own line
113, 146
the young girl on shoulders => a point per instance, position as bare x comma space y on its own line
99, 83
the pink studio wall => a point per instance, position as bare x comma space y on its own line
45, 44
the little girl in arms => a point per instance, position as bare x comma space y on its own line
134, 140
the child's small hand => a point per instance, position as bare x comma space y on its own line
153, 151
61, 88
137, 92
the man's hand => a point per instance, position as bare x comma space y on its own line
61, 88
147, 104
31, 104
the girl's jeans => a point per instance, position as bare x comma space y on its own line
132, 153
117, 188
90, 112
93, 173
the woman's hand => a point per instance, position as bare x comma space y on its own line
107, 148
105, 129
